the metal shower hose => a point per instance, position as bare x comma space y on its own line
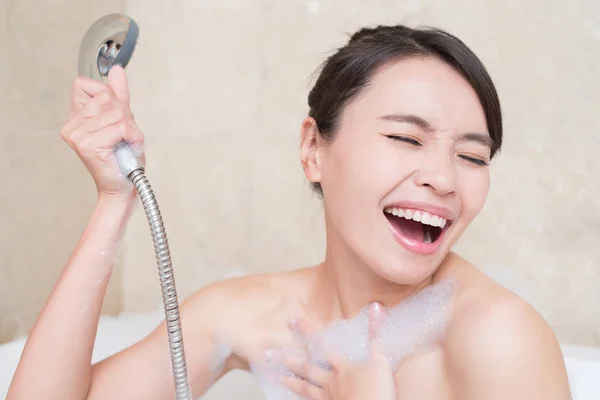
167, 282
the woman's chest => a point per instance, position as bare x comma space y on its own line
423, 376
420, 375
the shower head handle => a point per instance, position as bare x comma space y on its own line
110, 41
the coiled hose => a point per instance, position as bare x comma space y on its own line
167, 282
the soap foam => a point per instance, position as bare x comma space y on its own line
128, 157
415, 324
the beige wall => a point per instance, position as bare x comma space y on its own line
45, 192
220, 89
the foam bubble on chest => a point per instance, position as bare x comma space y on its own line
418, 323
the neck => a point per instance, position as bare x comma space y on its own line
345, 285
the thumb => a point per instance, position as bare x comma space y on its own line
117, 80
376, 317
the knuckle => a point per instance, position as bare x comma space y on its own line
71, 144
75, 133
304, 368
64, 133
104, 97
79, 82
92, 109
83, 147
122, 127
76, 145
305, 389
119, 114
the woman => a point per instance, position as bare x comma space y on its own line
402, 126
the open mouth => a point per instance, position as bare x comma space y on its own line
417, 226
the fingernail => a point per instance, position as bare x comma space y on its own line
377, 311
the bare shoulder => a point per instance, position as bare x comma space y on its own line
498, 346
222, 325
259, 292
259, 306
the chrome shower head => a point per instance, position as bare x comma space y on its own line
109, 41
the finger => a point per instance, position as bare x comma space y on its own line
301, 329
97, 105
117, 80
99, 122
301, 387
376, 318
106, 138
305, 333
303, 368
102, 102
84, 89
334, 360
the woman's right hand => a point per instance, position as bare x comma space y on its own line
100, 118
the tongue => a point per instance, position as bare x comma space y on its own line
411, 229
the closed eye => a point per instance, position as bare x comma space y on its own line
404, 139
473, 160
477, 161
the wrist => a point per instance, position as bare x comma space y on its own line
116, 208
117, 199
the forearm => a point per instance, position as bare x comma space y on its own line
56, 361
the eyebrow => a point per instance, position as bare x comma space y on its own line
409, 119
481, 138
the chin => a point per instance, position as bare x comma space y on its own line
406, 272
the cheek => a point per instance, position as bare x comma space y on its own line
362, 170
474, 188
354, 182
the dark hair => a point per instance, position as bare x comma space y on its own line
347, 72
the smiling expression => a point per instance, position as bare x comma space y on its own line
408, 169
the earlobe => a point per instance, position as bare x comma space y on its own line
310, 150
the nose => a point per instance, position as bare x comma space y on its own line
438, 174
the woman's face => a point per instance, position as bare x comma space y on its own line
407, 171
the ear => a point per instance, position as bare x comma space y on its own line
310, 150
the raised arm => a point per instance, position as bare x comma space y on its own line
56, 361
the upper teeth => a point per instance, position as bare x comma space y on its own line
417, 215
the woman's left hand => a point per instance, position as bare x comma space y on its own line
372, 379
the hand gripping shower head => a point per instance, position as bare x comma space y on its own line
111, 41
